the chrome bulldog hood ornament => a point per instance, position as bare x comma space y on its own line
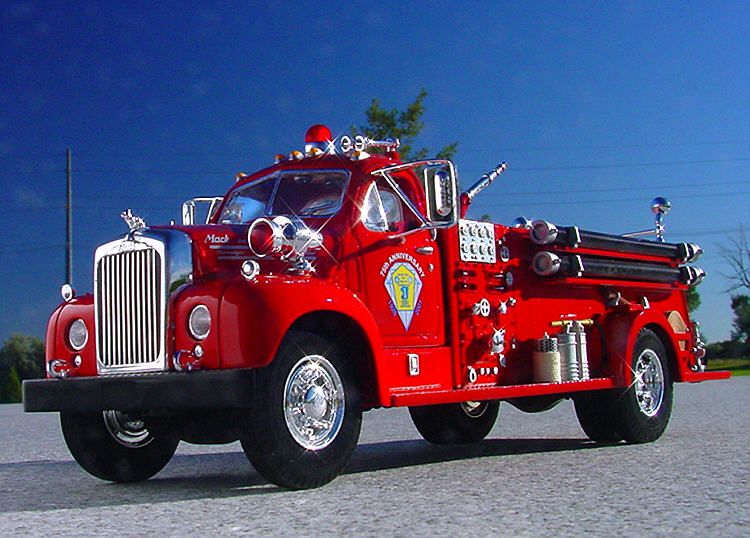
134, 223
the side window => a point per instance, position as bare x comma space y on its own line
394, 211
373, 212
383, 210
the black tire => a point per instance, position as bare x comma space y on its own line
308, 383
595, 415
449, 424
113, 446
642, 411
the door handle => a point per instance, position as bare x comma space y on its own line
425, 250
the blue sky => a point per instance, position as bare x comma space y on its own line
597, 106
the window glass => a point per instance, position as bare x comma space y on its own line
309, 194
373, 211
301, 194
248, 203
394, 213
383, 210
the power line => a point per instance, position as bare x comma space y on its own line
703, 232
13, 250
522, 170
627, 189
644, 145
468, 149
604, 201
225, 172
622, 165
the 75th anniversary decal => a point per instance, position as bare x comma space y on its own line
403, 280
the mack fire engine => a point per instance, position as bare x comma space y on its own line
339, 280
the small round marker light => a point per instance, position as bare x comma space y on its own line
660, 205
250, 269
67, 292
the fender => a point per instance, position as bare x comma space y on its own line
56, 346
621, 331
255, 316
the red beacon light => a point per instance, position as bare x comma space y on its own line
318, 140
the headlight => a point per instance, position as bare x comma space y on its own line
199, 322
78, 334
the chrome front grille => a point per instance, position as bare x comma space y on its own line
130, 306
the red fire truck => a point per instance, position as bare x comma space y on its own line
340, 280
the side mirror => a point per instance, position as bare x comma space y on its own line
439, 182
209, 204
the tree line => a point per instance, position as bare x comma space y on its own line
21, 357
736, 252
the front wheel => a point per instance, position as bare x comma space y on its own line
461, 423
305, 418
116, 446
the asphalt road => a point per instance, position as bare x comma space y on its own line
535, 475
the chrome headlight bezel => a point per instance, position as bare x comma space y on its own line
199, 322
78, 334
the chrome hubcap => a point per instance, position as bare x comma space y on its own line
126, 430
649, 382
474, 409
314, 402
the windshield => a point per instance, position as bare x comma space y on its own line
299, 193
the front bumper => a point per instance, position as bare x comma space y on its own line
205, 389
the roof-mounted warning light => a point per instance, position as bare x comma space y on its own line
318, 140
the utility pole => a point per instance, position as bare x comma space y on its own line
69, 218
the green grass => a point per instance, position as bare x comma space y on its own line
736, 366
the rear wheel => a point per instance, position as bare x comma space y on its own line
306, 416
643, 410
461, 423
640, 413
117, 446
595, 415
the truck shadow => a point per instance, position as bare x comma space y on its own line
54, 485
397, 454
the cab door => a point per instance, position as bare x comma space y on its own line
401, 273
